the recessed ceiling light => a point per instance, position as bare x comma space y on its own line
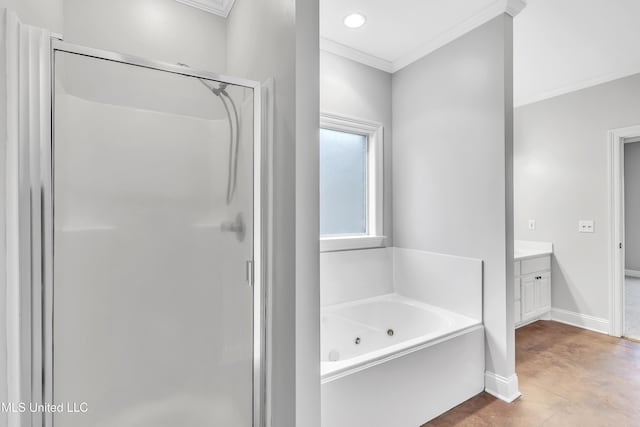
354, 20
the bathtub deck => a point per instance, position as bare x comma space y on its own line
568, 377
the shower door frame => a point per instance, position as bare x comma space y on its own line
45, 365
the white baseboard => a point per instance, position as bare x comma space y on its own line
632, 273
592, 323
543, 316
501, 387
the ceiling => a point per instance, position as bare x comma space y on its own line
559, 45
398, 32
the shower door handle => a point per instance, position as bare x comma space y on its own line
249, 272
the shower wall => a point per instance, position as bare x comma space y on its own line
152, 311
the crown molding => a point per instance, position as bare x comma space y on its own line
217, 7
355, 55
499, 7
520, 101
480, 18
514, 7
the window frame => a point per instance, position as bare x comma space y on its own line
374, 237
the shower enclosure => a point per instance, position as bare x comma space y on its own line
151, 240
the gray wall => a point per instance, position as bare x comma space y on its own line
157, 29
359, 91
44, 14
279, 39
561, 177
452, 172
307, 321
632, 205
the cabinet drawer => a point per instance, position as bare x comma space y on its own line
535, 264
516, 268
516, 289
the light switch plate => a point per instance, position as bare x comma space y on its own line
532, 224
585, 226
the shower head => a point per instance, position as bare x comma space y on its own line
220, 90
216, 91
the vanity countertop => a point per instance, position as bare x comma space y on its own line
524, 249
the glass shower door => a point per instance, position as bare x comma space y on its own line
153, 199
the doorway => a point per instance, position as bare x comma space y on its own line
625, 232
631, 324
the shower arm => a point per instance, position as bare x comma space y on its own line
234, 136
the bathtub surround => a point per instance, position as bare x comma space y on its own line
354, 275
431, 303
450, 282
561, 176
453, 124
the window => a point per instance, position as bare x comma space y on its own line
350, 184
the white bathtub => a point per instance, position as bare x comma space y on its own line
394, 361
359, 334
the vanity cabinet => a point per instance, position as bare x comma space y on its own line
532, 289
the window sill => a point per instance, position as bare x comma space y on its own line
342, 243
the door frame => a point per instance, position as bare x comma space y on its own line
42, 356
617, 138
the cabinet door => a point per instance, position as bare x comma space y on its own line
528, 297
544, 292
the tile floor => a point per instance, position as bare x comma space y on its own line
632, 307
568, 377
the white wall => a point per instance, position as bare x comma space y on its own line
278, 39
356, 90
452, 166
632, 206
561, 176
44, 14
156, 29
